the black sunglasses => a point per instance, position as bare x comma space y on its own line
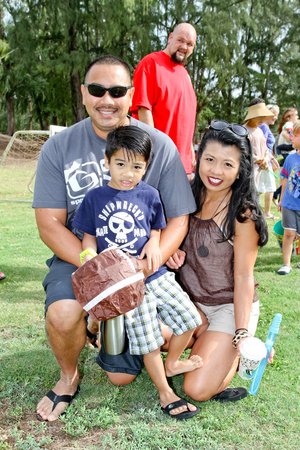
220, 125
97, 90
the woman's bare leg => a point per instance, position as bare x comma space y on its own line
220, 360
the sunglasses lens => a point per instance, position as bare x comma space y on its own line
118, 91
219, 125
239, 130
96, 90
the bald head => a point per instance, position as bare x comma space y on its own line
181, 43
185, 28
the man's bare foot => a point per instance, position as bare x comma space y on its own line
51, 406
183, 366
170, 397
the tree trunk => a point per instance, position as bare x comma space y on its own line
78, 109
10, 111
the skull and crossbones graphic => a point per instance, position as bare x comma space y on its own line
122, 224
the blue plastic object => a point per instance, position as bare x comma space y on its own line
258, 373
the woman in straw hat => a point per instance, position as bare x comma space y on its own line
264, 161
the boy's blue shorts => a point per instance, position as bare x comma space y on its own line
123, 363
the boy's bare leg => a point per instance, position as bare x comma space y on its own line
155, 368
287, 246
173, 364
66, 329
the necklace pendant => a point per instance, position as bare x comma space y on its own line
203, 251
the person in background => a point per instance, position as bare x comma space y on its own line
265, 127
264, 162
270, 141
289, 203
289, 115
2, 276
164, 96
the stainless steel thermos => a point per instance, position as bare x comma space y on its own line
114, 335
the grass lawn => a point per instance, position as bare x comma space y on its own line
107, 417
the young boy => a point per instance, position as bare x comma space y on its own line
128, 213
290, 201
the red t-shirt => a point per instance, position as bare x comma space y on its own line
164, 87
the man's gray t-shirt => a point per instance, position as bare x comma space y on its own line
72, 162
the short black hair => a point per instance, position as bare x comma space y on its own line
130, 138
109, 60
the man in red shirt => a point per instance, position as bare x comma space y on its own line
164, 96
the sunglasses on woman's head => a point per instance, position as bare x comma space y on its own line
97, 90
220, 125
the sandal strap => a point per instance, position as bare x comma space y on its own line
61, 398
176, 404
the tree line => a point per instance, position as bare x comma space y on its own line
245, 48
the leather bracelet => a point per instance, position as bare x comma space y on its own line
239, 335
86, 252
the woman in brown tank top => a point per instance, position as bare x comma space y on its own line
218, 256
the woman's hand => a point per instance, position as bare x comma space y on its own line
176, 260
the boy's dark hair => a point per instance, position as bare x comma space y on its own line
109, 60
132, 139
244, 199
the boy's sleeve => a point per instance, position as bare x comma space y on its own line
284, 173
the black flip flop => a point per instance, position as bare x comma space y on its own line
231, 395
184, 415
56, 399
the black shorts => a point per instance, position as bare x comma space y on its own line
123, 363
58, 281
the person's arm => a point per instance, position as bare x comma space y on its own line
283, 183
245, 253
173, 235
145, 115
89, 243
193, 156
171, 238
53, 232
152, 251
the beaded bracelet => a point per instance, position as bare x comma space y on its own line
239, 334
86, 252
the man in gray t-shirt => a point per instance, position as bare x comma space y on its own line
70, 164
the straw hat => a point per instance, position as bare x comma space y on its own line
258, 110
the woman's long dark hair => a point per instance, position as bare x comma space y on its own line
244, 197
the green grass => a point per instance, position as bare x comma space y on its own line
107, 417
